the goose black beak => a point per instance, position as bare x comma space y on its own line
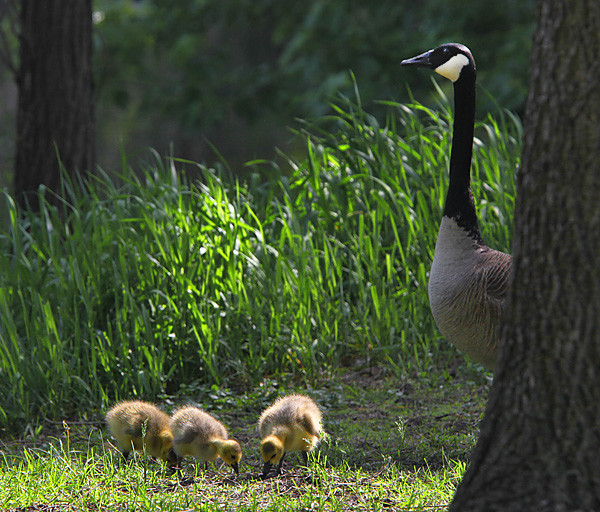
266, 469
420, 60
236, 468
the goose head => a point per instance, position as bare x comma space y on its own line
451, 60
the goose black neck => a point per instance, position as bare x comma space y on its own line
459, 200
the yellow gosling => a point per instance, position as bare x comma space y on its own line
292, 423
141, 426
197, 434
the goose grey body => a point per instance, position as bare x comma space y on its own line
468, 282
467, 290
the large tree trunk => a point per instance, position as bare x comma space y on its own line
539, 448
55, 110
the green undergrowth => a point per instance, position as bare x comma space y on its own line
147, 285
392, 444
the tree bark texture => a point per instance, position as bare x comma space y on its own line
539, 448
55, 108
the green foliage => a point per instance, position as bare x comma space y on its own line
212, 65
203, 60
390, 444
89, 480
153, 284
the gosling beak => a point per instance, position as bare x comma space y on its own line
420, 60
266, 469
236, 468
173, 459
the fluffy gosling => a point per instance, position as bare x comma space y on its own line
141, 426
198, 434
292, 423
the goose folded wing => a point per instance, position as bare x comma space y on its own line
496, 275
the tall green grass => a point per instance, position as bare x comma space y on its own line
148, 283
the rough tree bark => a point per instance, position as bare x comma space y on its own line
55, 107
539, 446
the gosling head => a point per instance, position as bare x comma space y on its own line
449, 60
165, 440
173, 460
231, 452
271, 448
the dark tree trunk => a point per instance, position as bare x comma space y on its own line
539, 448
55, 109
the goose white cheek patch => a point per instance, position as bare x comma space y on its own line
451, 69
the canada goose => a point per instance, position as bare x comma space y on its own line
139, 425
198, 434
292, 423
468, 282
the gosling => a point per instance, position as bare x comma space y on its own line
141, 426
198, 434
292, 423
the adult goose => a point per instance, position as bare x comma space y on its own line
468, 282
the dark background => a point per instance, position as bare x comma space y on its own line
226, 79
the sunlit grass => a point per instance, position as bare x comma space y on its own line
89, 482
391, 444
148, 284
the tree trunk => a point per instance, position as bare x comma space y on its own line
55, 109
539, 447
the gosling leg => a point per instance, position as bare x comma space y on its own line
123, 459
305, 458
280, 465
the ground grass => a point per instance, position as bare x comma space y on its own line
392, 444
